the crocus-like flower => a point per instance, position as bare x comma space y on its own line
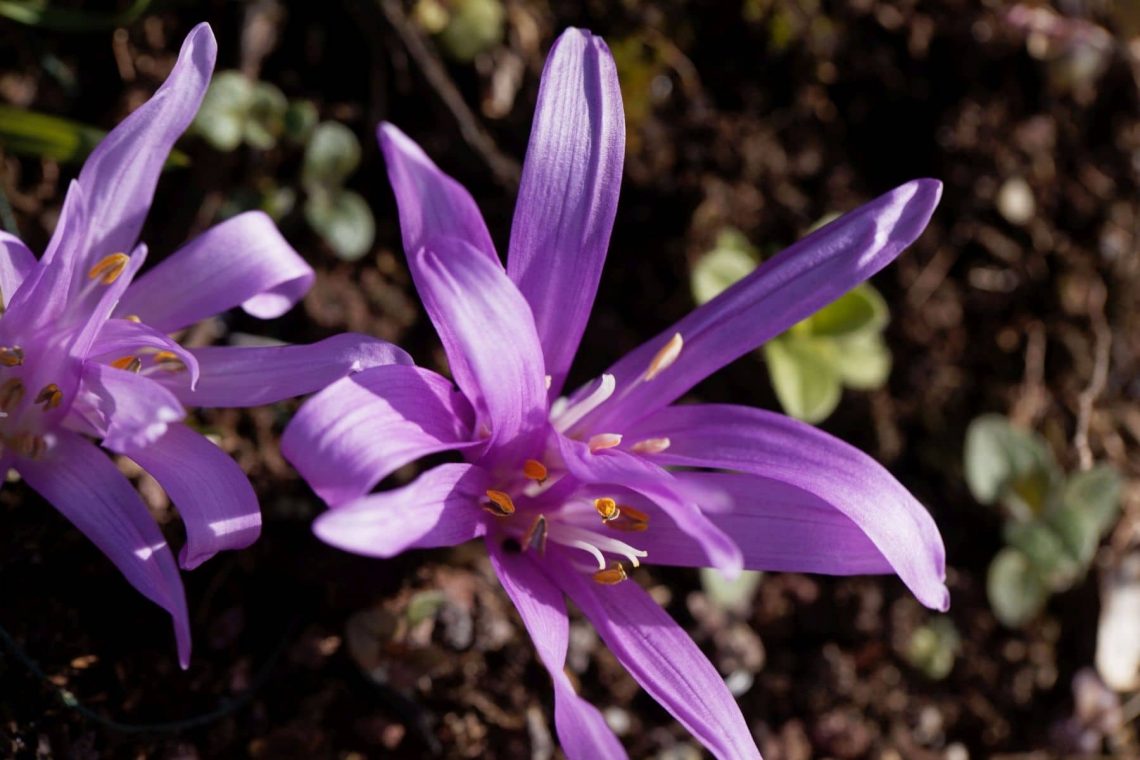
84, 352
571, 494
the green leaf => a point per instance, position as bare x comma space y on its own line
1090, 502
854, 311
1002, 462
300, 121
266, 119
732, 258
934, 647
1015, 590
344, 220
28, 133
1046, 550
333, 153
735, 595
42, 14
804, 377
863, 360
222, 117
474, 26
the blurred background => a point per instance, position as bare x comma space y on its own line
994, 368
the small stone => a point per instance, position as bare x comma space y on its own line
1015, 201
1118, 632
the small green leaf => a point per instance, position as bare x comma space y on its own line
265, 121
1090, 502
733, 596
863, 360
473, 27
221, 120
731, 259
1002, 461
1045, 548
854, 311
333, 153
28, 133
41, 14
804, 377
344, 220
300, 120
1015, 590
934, 647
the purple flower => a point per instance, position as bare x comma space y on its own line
570, 494
84, 352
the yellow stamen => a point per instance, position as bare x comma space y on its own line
11, 394
11, 356
28, 445
129, 363
168, 360
665, 357
51, 396
603, 441
612, 575
500, 504
535, 537
133, 318
108, 269
629, 520
650, 446
535, 470
607, 508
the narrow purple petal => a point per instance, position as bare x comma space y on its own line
618, 468
569, 193
212, 494
430, 203
781, 292
16, 263
128, 409
489, 335
581, 728
82, 483
439, 508
350, 436
249, 376
120, 175
780, 448
244, 260
777, 526
664, 660
120, 338
43, 295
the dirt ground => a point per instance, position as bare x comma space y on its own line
764, 115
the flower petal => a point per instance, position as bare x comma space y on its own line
249, 376
618, 468
781, 292
120, 175
569, 193
350, 436
581, 728
244, 260
430, 203
127, 409
777, 526
664, 660
16, 262
491, 343
82, 483
439, 508
780, 448
212, 494
120, 338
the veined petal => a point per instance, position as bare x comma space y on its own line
244, 260
249, 376
618, 468
120, 338
581, 728
353, 434
489, 335
120, 175
212, 494
128, 409
781, 292
664, 660
779, 448
82, 483
569, 193
430, 203
439, 508
16, 263
777, 526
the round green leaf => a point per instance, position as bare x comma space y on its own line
733, 596
1015, 590
804, 377
854, 311
475, 26
333, 153
863, 360
344, 220
221, 118
1000, 459
300, 120
1095, 494
266, 119
1057, 566
731, 259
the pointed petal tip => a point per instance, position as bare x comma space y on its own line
201, 40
